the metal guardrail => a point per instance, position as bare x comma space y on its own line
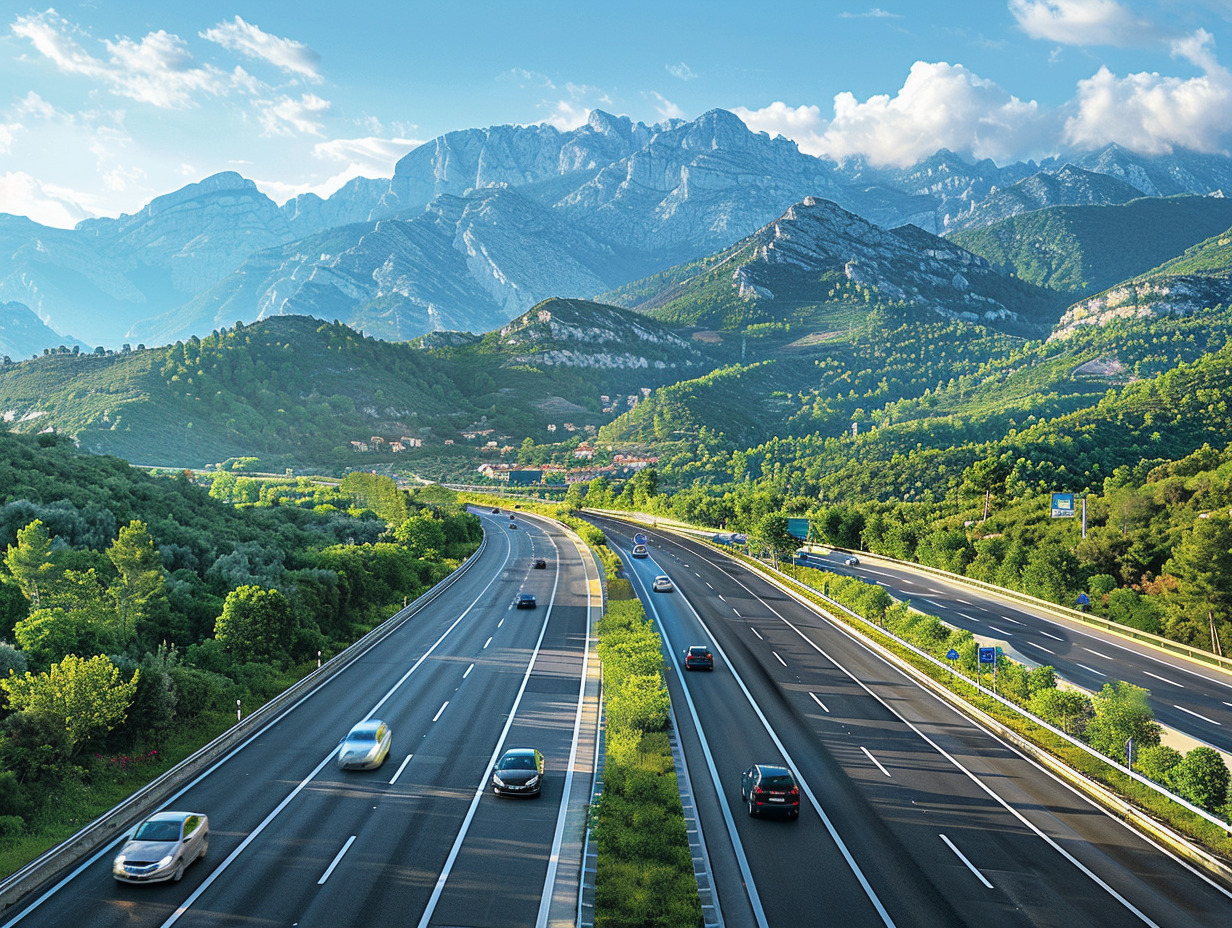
119, 818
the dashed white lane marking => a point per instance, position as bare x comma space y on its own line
1163, 679
970, 866
1092, 669
440, 711
874, 760
401, 767
756, 632
468, 671
819, 702
779, 659
1097, 654
1196, 716
1050, 635
330, 869
488, 642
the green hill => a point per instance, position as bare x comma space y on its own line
1080, 250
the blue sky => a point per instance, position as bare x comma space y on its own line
105, 104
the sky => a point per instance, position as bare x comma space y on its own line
105, 104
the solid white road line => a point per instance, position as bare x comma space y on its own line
874, 760
401, 767
330, 869
819, 702
1162, 679
979, 876
1195, 715
468, 671
440, 711
779, 659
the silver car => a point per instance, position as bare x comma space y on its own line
662, 584
366, 746
161, 847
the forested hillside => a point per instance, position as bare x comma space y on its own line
158, 601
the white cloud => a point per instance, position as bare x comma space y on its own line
873, 13
1081, 22
23, 195
939, 106
8, 132
288, 116
285, 54
1151, 113
525, 78
567, 115
368, 157
665, 107
157, 69
681, 71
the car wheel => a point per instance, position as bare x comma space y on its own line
752, 809
179, 872
205, 846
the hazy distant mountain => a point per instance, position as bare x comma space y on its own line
23, 333
625, 200
1080, 250
818, 253
1070, 186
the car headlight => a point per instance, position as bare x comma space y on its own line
497, 780
121, 860
166, 860
533, 780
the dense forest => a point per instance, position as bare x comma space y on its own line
135, 609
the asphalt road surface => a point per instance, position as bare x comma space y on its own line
1186, 696
911, 815
421, 840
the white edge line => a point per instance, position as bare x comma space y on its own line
337, 859
963, 857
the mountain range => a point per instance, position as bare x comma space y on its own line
479, 225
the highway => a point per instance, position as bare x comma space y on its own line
420, 840
911, 815
1186, 696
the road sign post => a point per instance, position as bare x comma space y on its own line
989, 656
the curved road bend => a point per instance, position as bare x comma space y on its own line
911, 814
294, 841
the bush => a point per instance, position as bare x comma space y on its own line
1202, 778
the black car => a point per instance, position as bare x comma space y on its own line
698, 657
770, 788
540, 564
525, 601
496, 509
519, 772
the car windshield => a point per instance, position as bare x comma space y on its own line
698, 652
518, 762
158, 831
362, 737
783, 781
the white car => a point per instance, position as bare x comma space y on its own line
161, 848
366, 746
852, 561
662, 584
640, 551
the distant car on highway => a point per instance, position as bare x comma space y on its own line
519, 772
496, 509
540, 564
662, 584
770, 788
525, 601
162, 847
513, 525
852, 561
640, 551
366, 746
698, 657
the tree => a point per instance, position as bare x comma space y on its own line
1202, 562
1202, 778
771, 532
1156, 762
140, 575
29, 561
1067, 709
423, 536
256, 625
1122, 711
85, 694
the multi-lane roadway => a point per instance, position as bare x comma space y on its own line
911, 815
1185, 695
422, 840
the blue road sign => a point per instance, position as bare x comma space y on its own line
988, 655
1084, 599
951, 655
798, 528
1062, 505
